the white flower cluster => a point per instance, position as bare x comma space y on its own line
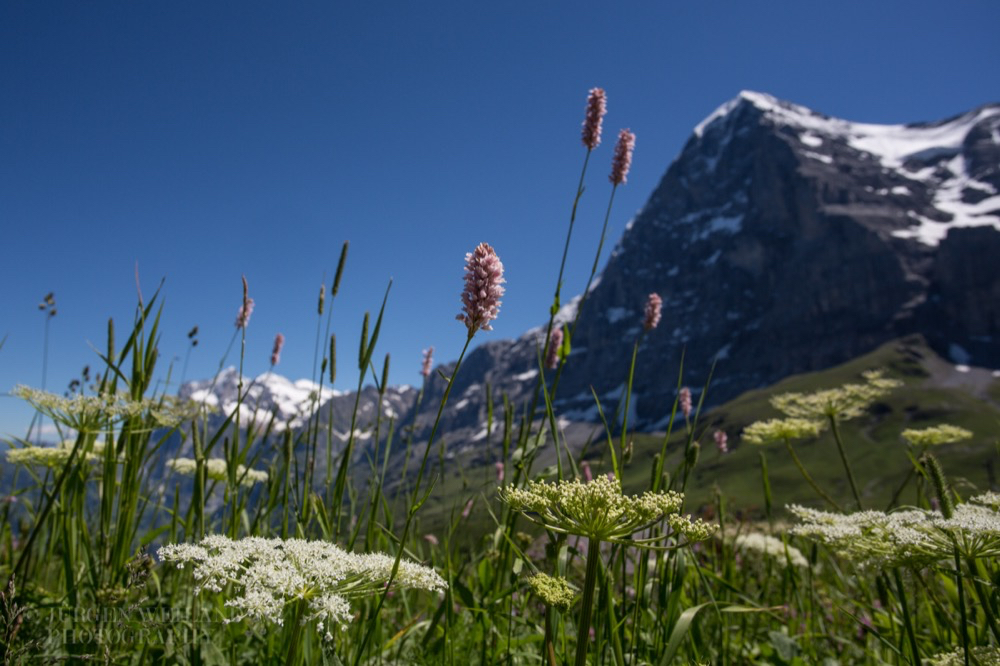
87, 411
936, 435
52, 456
768, 545
217, 470
985, 655
599, 510
911, 537
846, 402
270, 574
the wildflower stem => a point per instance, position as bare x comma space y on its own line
417, 502
589, 584
569, 234
843, 457
961, 606
907, 621
798, 463
295, 639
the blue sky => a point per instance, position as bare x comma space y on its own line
207, 140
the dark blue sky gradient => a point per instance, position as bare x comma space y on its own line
206, 140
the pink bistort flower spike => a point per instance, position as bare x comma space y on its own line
481, 296
425, 369
597, 106
468, 508
279, 342
622, 160
500, 470
555, 342
651, 318
588, 474
685, 402
721, 441
246, 309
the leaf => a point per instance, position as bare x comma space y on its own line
785, 646
680, 631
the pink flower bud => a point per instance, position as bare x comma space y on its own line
279, 342
651, 319
468, 508
597, 106
500, 470
622, 160
588, 475
721, 441
246, 309
555, 342
481, 296
685, 402
425, 369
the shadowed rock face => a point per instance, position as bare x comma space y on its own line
782, 241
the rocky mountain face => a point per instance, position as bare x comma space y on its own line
781, 241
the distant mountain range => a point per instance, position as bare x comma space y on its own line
781, 241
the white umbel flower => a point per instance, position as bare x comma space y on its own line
776, 548
270, 574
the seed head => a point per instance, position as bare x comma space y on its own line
481, 296
622, 160
651, 318
597, 106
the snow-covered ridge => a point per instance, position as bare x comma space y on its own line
928, 153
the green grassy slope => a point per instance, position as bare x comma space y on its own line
933, 392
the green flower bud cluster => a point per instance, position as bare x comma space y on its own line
598, 509
555, 592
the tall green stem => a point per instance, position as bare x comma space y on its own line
587, 608
907, 620
843, 458
802, 470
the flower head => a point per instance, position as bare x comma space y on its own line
721, 441
768, 545
428, 363
942, 434
279, 342
847, 402
481, 296
555, 592
266, 575
651, 318
217, 470
777, 430
598, 509
597, 106
684, 400
622, 160
555, 342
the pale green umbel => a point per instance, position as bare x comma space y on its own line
936, 435
598, 510
554, 591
